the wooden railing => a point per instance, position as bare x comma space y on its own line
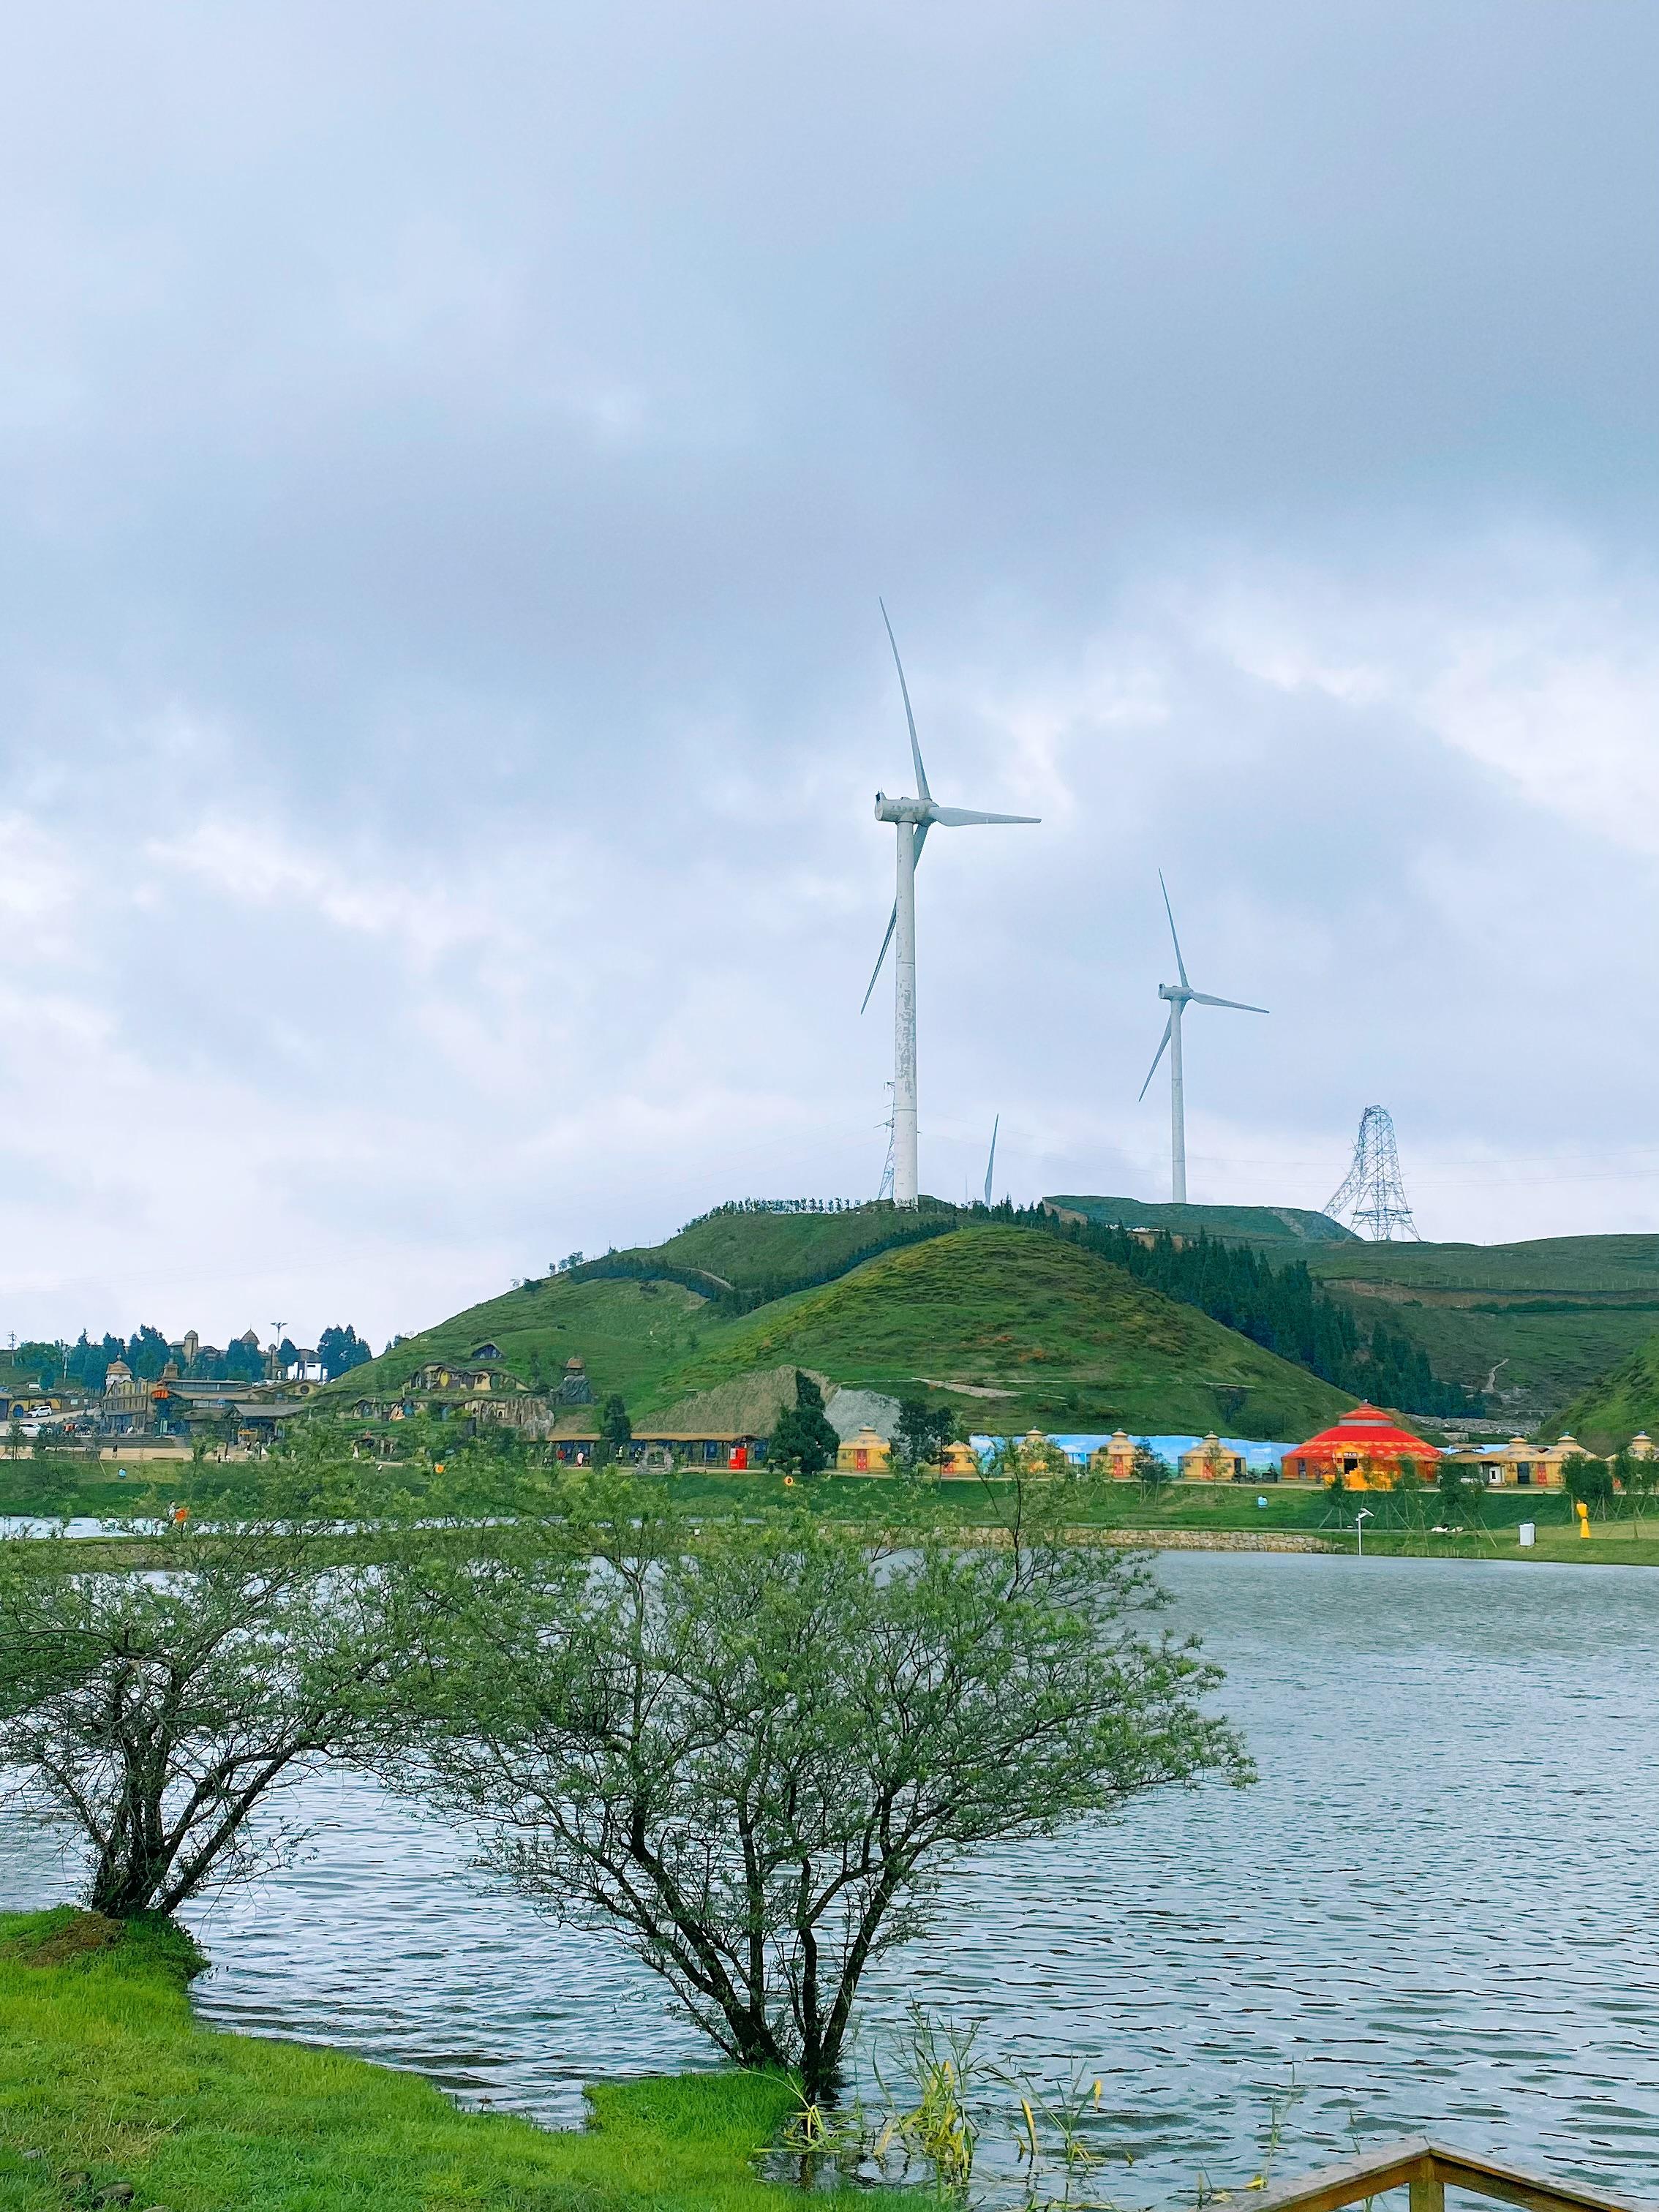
1428, 2169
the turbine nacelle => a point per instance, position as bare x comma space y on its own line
918, 811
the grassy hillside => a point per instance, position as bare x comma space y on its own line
1063, 1339
1248, 1225
1546, 1317
630, 1333
105, 2075
762, 1251
1616, 1405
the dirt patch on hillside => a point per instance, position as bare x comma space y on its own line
749, 1406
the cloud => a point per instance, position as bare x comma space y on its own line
450, 468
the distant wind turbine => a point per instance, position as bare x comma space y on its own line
913, 819
1181, 995
991, 1165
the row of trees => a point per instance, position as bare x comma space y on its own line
748, 1752
85, 1365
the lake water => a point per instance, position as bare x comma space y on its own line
1435, 1912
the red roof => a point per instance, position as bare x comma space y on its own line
1366, 1430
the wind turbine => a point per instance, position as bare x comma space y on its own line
1181, 995
991, 1165
913, 819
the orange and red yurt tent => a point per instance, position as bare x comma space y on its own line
1366, 1447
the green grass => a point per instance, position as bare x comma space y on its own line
104, 2070
1557, 1311
1618, 1403
1075, 1342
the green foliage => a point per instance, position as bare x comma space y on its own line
150, 1715
747, 1747
1637, 1478
802, 1440
104, 2069
1461, 1498
1590, 1482
615, 1427
1151, 1471
924, 1433
340, 1350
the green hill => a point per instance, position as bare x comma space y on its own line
1616, 1405
1035, 1331
1236, 1225
1029, 1329
1532, 1324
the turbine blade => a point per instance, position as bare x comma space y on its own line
1203, 998
1157, 1055
915, 749
964, 817
991, 1165
922, 828
1168, 909
892, 924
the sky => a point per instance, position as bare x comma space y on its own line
449, 461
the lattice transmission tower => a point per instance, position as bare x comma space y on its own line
1371, 1197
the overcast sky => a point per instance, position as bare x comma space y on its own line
450, 457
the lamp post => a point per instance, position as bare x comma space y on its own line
1359, 1521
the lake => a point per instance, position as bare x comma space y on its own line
1431, 1913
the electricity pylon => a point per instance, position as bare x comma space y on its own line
1370, 1196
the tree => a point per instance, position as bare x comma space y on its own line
152, 1714
1462, 1495
1639, 1477
1588, 1482
750, 1750
1409, 1497
615, 1429
924, 1433
802, 1442
1152, 1472
340, 1350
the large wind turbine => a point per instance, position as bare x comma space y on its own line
913, 819
1181, 995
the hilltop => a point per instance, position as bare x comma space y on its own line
1017, 1327
1233, 1225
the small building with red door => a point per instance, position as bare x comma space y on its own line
1366, 1447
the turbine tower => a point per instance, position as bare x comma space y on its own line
1181, 995
912, 818
1371, 1194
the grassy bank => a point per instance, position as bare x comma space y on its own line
106, 2072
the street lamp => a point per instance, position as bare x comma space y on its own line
1359, 1521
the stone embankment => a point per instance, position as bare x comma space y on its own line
1141, 1540
1215, 1540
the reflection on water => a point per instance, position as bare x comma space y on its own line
1432, 1908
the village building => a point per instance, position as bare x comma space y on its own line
1115, 1458
127, 1406
867, 1452
578, 1443
1209, 1460
1366, 1448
